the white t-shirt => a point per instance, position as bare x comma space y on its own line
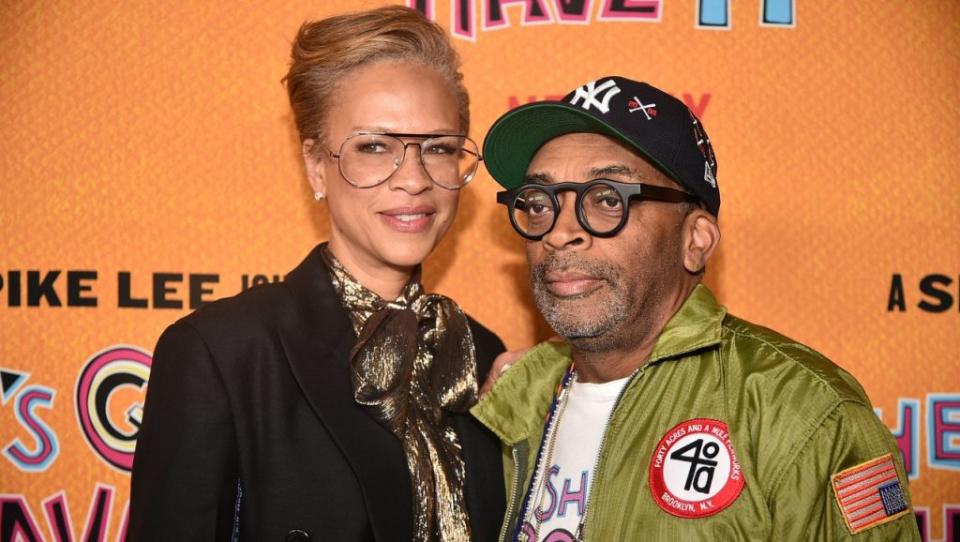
561, 502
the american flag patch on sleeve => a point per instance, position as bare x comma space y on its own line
870, 494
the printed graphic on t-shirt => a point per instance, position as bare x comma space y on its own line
562, 492
562, 507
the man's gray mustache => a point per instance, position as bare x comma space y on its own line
565, 263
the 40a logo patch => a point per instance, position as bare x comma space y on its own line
694, 471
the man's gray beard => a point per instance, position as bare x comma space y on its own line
590, 331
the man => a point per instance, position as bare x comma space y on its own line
663, 417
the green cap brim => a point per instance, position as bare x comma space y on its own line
516, 137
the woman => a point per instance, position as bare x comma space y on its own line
332, 406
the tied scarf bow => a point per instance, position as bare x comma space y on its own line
384, 359
413, 361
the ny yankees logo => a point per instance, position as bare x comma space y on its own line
649, 110
588, 95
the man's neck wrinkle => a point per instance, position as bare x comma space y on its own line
621, 362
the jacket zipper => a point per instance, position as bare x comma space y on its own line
507, 527
596, 467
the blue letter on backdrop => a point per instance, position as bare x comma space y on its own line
777, 12
713, 14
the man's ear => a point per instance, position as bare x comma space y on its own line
313, 161
701, 235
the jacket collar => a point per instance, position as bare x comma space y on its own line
695, 326
317, 337
517, 405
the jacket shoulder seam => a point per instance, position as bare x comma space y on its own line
838, 397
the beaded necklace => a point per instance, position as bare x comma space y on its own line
545, 456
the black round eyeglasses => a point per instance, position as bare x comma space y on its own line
602, 205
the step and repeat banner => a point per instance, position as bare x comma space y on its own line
149, 165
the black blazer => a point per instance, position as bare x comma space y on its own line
250, 429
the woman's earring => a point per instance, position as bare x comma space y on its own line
318, 196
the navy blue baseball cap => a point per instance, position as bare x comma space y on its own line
658, 126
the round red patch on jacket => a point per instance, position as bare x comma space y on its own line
694, 471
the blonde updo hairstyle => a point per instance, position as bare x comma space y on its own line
325, 51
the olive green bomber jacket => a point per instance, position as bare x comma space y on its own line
795, 421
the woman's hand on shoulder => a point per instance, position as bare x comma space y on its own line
500, 365
504, 361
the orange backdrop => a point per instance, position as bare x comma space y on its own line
148, 157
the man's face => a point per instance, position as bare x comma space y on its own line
603, 293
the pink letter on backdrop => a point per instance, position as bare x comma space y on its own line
943, 431
631, 10
462, 19
907, 435
58, 516
494, 14
122, 533
573, 11
424, 6
16, 520
98, 518
47, 448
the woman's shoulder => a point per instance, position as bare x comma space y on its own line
488, 346
265, 307
259, 307
483, 335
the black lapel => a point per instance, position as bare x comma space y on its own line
317, 340
485, 494
484, 472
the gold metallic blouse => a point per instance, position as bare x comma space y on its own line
415, 361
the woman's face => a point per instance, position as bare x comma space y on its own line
392, 227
